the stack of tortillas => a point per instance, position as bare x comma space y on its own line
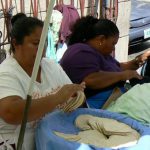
102, 132
74, 102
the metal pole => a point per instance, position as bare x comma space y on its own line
34, 73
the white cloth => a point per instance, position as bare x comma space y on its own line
61, 48
55, 22
15, 81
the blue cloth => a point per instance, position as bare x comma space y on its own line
98, 100
64, 122
50, 51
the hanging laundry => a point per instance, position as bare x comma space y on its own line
53, 34
70, 15
55, 23
51, 51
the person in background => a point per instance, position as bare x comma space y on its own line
52, 87
88, 58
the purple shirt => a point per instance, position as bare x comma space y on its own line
80, 60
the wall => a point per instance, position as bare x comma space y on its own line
121, 53
123, 25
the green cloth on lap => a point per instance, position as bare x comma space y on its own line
134, 103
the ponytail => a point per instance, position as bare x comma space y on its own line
82, 30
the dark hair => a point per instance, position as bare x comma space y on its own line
24, 27
89, 27
16, 17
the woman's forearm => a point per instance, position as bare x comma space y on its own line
100, 80
38, 108
132, 65
12, 107
137, 62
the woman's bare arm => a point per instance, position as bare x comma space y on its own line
12, 107
102, 79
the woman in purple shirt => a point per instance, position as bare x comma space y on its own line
88, 58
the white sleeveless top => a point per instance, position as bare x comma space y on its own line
15, 81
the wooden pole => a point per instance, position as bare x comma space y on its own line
34, 73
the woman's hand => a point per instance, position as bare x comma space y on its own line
140, 59
68, 91
129, 74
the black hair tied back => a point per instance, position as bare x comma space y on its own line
89, 27
16, 17
82, 30
23, 26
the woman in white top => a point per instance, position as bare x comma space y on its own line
52, 86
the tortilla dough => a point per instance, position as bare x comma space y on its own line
74, 102
102, 132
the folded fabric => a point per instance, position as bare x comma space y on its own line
134, 103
